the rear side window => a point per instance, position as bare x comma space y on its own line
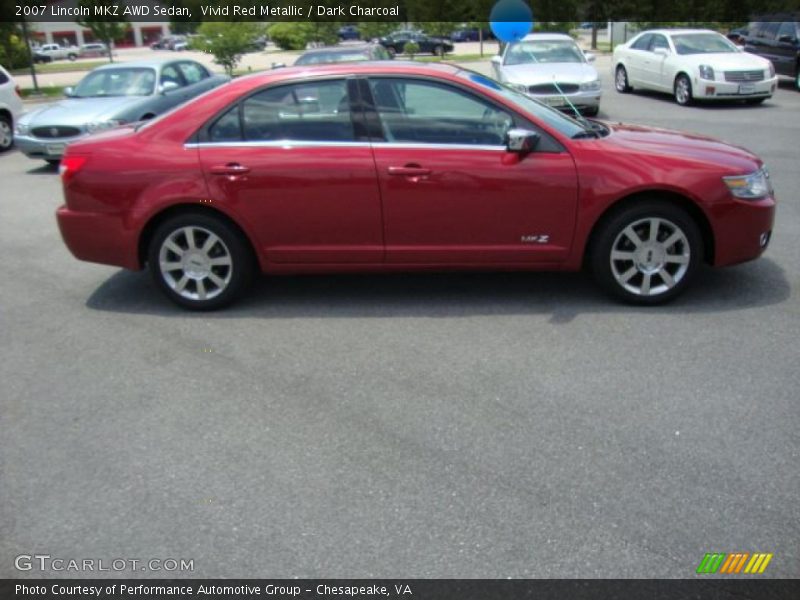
317, 111
769, 30
3, 78
787, 29
193, 72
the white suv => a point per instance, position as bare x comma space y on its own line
10, 109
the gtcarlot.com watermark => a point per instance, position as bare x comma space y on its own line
45, 562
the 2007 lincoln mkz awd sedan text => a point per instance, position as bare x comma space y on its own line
384, 167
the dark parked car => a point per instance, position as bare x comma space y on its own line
470, 34
778, 41
356, 52
396, 42
349, 32
387, 167
737, 36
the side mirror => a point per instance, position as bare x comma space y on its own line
590, 56
497, 60
661, 51
521, 141
69, 92
168, 86
277, 65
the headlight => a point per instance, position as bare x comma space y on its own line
750, 187
21, 128
590, 86
771, 70
102, 125
706, 72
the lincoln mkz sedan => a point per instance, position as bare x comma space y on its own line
386, 167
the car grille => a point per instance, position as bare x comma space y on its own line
744, 75
550, 88
55, 132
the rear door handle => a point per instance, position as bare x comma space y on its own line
229, 169
409, 171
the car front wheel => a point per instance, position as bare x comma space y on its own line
200, 261
647, 254
683, 90
6, 133
621, 80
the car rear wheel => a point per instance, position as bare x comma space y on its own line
647, 254
392, 52
683, 90
438, 51
621, 80
797, 78
200, 261
6, 133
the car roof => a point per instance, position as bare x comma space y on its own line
380, 67
346, 48
547, 36
678, 30
152, 63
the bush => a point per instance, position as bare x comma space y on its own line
13, 54
290, 36
411, 48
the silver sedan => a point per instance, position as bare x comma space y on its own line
551, 68
110, 96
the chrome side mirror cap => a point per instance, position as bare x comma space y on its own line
590, 56
521, 141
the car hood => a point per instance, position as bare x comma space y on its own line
534, 74
727, 61
79, 111
654, 142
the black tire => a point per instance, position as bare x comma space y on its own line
438, 51
645, 284
53, 162
621, 83
72, 57
392, 52
682, 89
6, 133
797, 77
591, 112
230, 246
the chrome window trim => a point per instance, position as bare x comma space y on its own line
288, 144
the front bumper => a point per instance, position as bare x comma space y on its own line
704, 89
46, 149
742, 229
588, 100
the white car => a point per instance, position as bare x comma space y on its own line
551, 68
692, 64
10, 109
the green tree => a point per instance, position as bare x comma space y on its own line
226, 41
371, 30
13, 53
411, 48
290, 35
108, 28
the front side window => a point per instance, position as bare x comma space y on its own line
171, 74
642, 43
425, 112
193, 72
317, 111
659, 41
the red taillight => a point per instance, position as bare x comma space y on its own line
70, 165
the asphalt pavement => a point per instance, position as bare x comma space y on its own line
441, 425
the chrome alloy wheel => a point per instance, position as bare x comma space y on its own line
683, 91
650, 256
6, 134
621, 80
195, 263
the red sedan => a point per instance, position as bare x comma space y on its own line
390, 167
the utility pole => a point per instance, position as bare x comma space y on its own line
30, 56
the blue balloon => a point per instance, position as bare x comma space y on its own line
511, 20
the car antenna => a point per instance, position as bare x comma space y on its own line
578, 116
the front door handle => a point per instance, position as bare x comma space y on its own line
229, 169
409, 171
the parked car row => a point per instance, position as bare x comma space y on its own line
110, 96
50, 52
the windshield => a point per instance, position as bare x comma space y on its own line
701, 43
332, 57
550, 116
117, 82
544, 51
